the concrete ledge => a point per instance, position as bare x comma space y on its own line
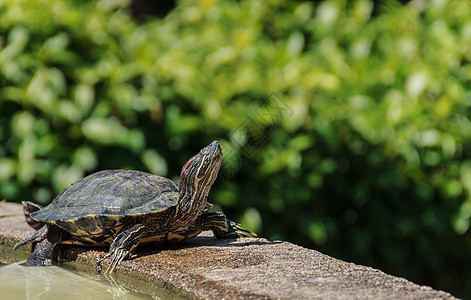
207, 268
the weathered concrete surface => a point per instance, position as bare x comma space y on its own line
246, 268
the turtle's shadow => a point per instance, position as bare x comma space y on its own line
199, 241
71, 252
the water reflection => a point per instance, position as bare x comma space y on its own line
19, 282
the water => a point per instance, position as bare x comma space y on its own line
20, 282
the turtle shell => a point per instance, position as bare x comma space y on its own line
95, 208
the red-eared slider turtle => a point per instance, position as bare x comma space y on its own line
122, 208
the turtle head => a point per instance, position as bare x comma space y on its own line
197, 177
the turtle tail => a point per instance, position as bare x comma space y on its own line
28, 209
35, 237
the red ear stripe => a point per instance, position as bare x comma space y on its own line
187, 163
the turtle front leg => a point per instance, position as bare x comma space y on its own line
46, 252
222, 227
124, 245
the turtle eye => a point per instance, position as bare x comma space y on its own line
205, 150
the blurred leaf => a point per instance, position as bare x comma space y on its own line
317, 232
85, 158
155, 162
251, 219
110, 131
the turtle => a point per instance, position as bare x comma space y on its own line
123, 208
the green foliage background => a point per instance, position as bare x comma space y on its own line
345, 125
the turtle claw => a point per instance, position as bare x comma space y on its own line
237, 230
123, 245
222, 227
117, 256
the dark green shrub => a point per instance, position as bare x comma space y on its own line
342, 131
